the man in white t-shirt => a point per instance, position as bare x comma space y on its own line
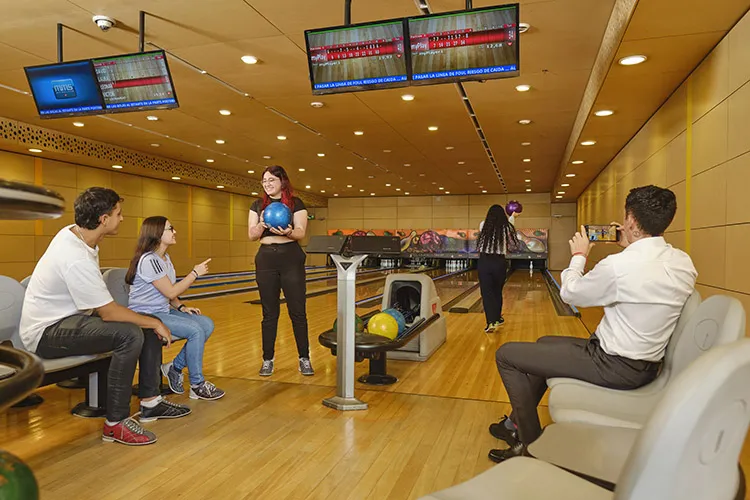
642, 290
68, 311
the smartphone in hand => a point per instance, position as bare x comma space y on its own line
603, 232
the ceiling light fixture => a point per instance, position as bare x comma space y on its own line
358, 132
388, 185
561, 192
523, 88
523, 27
35, 150
564, 185
632, 60
321, 155
254, 193
328, 178
372, 194
78, 124
266, 157
349, 185
209, 160
558, 197
281, 137
117, 166
249, 59
528, 190
307, 187
461, 162
220, 186
349, 167
406, 193
317, 104
484, 190
604, 112
386, 151
175, 178
322, 190
576, 162
525, 144
526, 160
152, 118
335, 194
527, 180
155, 145
570, 175
432, 128
407, 97
220, 141
225, 112
588, 143
524, 122
441, 188
448, 147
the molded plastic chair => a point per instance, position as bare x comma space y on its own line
115, 281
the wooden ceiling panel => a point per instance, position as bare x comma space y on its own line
687, 17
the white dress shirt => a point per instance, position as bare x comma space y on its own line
642, 290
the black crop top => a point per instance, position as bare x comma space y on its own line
257, 207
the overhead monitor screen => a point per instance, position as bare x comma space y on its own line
478, 44
358, 57
64, 89
135, 82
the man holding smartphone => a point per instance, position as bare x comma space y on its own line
642, 290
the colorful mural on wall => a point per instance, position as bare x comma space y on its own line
533, 242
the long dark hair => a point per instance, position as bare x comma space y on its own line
152, 230
287, 192
497, 228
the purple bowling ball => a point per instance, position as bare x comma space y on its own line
513, 206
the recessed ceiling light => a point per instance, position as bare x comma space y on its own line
406, 193
477, 182
570, 175
220, 186
441, 188
317, 104
361, 190
484, 190
432, 128
448, 147
307, 187
588, 143
558, 197
524, 122
78, 124
523, 27
203, 72
387, 185
469, 173
152, 118
349, 167
349, 185
35, 150
527, 171
251, 171
407, 97
398, 189
266, 157
407, 164
175, 178
155, 145
249, 59
525, 144
421, 175
462, 163
117, 166
526, 160
577, 162
209, 160
604, 112
372, 194
321, 155
358, 132
220, 141
528, 190
335, 194
281, 137
370, 176
322, 190
632, 60
561, 192
225, 112
254, 193
523, 88
302, 170
564, 185
386, 151
527, 180
328, 178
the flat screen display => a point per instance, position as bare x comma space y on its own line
479, 44
357, 57
65, 89
135, 82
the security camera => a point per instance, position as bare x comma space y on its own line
105, 23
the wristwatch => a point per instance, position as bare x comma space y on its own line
180, 308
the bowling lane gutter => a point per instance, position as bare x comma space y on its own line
221, 293
375, 298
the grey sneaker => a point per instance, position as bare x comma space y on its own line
174, 377
267, 369
206, 390
165, 409
305, 367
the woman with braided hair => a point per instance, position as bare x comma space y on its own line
496, 235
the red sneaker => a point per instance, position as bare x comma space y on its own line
127, 432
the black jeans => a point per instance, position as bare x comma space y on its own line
492, 272
526, 366
282, 267
79, 335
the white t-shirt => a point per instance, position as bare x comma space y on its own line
66, 281
504, 249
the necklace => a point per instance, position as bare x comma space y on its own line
78, 231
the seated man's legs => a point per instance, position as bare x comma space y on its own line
80, 335
525, 367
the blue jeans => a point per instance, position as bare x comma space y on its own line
196, 329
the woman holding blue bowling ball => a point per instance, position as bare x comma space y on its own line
279, 221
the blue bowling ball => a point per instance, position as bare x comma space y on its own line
396, 314
277, 215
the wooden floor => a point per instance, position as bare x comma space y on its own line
272, 438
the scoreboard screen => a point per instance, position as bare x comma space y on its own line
135, 82
358, 57
64, 89
477, 44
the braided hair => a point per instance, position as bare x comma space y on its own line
496, 229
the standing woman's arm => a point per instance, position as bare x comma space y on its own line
255, 226
300, 225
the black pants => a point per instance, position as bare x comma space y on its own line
79, 335
526, 366
492, 272
282, 267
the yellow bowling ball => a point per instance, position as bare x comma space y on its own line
383, 324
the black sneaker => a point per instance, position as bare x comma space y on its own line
500, 431
517, 450
305, 367
206, 390
165, 409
